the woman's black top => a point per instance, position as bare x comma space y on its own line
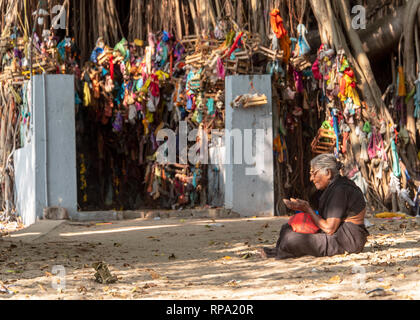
342, 199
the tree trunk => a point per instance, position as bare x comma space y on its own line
194, 17
409, 58
361, 57
324, 23
178, 21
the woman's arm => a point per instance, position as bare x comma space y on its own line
329, 226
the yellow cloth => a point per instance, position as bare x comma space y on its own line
279, 148
145, 88
349, 92
149, 117
86, 95
162, 75
402, 91
390, 215
146, 127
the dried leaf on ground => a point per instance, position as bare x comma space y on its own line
153, 274
233, 283
82, 290
137, 290
385, 285
246, 256
335, 280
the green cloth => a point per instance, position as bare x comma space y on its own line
367, 128
395, 160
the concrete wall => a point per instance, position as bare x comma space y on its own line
24, 163
246, 194
51, 159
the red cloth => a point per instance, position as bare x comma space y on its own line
111, 67
303, 223
315, 70
154, 86
235, 44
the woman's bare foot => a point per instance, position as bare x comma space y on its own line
267, 253
262, 253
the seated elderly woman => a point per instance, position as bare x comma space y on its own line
342, 209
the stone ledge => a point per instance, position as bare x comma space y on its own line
35, 231
153, 214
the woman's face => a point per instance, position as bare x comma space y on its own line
320, 180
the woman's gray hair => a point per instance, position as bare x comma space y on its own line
325, 162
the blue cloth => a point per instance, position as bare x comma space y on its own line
166, 36
210, 106
336, 130
78, 100
95, 53
61, 47
304, 47
189, 104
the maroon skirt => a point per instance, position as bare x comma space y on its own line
349, 237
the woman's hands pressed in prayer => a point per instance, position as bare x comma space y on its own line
329, 226
297, 205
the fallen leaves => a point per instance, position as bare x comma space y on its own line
385, 285
6, 290
335, 280
233, 283
82, 290
149, 285
14, 271
401, 276
138, 290
246, 256
153, 274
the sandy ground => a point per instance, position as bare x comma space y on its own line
206, 259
